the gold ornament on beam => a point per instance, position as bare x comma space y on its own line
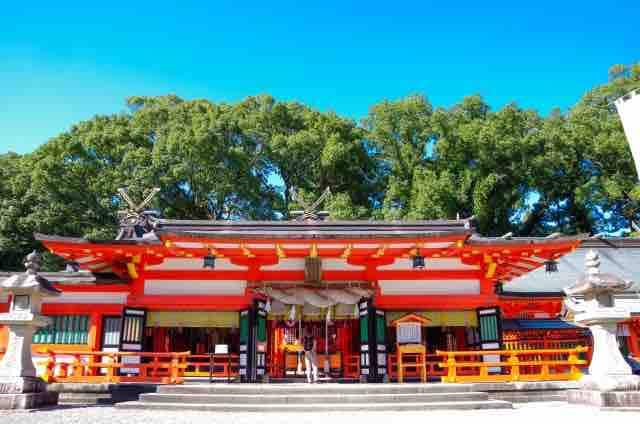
380, 252
246, 252
347, 252
279, 252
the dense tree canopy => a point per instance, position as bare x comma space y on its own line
512, 169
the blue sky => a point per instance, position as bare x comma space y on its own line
61, 62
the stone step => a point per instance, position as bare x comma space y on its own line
303, 388
70, 398
530, 396
98, 393
322, 407
305, 398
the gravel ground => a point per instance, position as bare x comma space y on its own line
539, 413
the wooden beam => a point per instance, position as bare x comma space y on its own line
219, 303
80, 308
203, 274
434, 302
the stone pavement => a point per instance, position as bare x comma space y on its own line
543, 412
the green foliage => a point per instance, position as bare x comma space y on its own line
511, 168
400, 133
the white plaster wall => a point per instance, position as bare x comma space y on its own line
195, 287
436, 287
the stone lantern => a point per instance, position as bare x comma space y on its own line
19, 386
610, 381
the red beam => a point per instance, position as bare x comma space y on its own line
80, 308
298, 275
440, 274
434, 302
194, 275
220, 303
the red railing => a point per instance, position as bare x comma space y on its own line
114, 367
513, 365
213, 365
433, 369
351, 366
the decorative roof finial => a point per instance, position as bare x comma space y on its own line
310, 212
135, 217
135, 209
32, 263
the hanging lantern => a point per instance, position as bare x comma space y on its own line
292, 313
209, 261
418, 261
551, 266
267, 305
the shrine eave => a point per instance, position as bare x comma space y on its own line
22, 279
82, 241
310, 234
58, 277
476, 240
314, 229
80, 278
358, 243
344, 225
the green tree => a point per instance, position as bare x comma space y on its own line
310, 150
207, 165
587, 176
400, 133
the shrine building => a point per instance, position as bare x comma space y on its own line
247, 289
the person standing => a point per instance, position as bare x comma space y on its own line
310, 356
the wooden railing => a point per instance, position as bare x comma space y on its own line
411, 356
114, 367
433, 368
214, 365
529, 344
334, 359
351, 366
512, 365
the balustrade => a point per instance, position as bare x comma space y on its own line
213, 365
113, 367
513, 365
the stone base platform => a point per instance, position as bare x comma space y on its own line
27, 400
99, 393
525, 391
325, 397
630, 399
25, 393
